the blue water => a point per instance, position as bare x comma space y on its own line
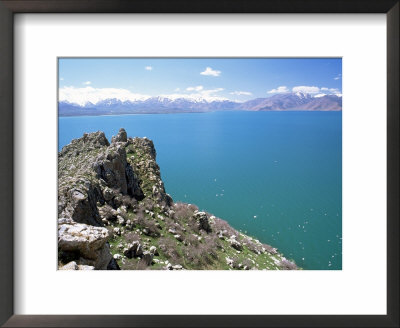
273, 175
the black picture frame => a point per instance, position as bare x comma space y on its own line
8, 199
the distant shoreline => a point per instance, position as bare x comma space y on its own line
195, 112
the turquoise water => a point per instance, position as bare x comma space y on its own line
273, 175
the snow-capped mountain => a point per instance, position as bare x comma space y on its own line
294, 101
279, 102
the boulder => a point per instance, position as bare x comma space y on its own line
78, 200
106, 211
177, 267
85, 267
202, 221
178, 237
133, 250
153, 250
117, 256
70, 266
89, 243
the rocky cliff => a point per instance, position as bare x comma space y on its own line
114, 213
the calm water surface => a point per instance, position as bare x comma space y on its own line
274, 175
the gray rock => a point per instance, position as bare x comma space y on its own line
120, 137
202, 220
88, 241
177, 267
133, 250
70, 266
178, 237
85, 267
153, 250
117, 256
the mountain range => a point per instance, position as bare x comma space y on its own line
157, 105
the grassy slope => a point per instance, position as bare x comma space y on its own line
196, 248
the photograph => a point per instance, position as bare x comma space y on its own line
199, 163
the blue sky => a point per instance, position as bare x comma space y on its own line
88, 79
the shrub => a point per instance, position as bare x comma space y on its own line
191, 240
184, 211
170, 249
252, 246
269, 249
201, 254
236, 263
129, 202
131, 237
146, 224
193, 225
287, 265
248, 263
221, 225
147, 204
194, 255
212, 243
170, 224
136, 264
193, 207
141, 265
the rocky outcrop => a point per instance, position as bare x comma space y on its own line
94, 176
120, 137
114, 213
112, 167
142, 156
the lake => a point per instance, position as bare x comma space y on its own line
276, 176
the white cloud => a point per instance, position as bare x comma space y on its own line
87, 83
281, 89
61, 79
81, 96
148, 68
198, 88
241, 93
306, 89
334, 91
338, 77
209, 71
312, 90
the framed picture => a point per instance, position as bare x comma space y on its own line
263, 127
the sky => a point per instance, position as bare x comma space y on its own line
237, 79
